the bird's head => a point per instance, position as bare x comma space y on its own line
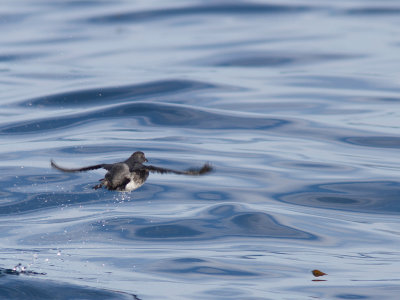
139, 157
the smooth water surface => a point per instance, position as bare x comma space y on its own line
296, 104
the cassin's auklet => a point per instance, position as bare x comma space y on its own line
130, 174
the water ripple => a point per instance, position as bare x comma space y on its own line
98, 96
148, 114
375, 141
216, 9
374, 11
263, 59
219, 222
360, 196
195, 267
13, 287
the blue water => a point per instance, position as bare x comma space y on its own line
296, 104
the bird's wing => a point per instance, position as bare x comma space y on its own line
105, 166
194, 171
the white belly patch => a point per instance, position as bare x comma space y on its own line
132, 186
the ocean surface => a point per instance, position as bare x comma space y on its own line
295, 104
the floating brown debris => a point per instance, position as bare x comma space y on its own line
318, 273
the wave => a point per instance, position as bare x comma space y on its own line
98, 96
217, 9
15, 287
358, 196
148, 114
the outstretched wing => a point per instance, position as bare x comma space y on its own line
199, 171
105, 166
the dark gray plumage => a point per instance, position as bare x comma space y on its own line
130, 174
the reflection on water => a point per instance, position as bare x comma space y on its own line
295, 105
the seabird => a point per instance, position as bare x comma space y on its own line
130, 174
